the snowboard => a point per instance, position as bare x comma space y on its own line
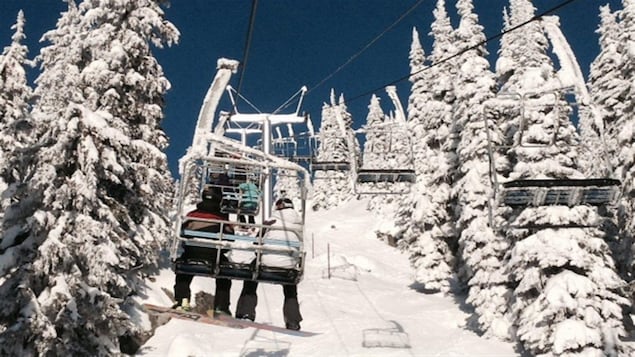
261, 325
221, 320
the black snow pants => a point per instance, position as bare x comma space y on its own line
248, 300
221, 296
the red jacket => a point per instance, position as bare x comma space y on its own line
204, 214
191, 222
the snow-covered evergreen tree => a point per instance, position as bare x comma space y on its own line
607, 83
394, 229
376, 144
566, 295
332, 187
424, 223
481, 247
614, 92
101, 190
608, 87
431, 235
15, 124
376, 138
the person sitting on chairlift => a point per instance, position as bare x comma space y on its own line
208, 208
285, 216
249, 197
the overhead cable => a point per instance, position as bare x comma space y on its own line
353, 57
250, 32
459, 53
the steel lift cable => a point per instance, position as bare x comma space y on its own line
446, 59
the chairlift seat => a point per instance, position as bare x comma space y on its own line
385, 175
241, 270
331, 166
279, 275
567, 192
193, 267
264, 274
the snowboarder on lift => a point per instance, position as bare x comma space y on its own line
286, 216
208, 208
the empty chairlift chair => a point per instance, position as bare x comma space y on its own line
387, 161
341, 162
529, 192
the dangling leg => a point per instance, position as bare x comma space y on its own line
291, 307
182, 288
221, 297
246, 307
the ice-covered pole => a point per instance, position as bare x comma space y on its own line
225, 68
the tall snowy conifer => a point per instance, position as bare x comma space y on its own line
430, 234
387, 147
418, 98
332, 187
617, 101
481, 248
102, 188
608, 88
607, 82
15, 123
375, 144
566, 295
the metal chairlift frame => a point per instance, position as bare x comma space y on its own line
394, 180
306, 149
296, 147
219, 243
212, 149
521, 193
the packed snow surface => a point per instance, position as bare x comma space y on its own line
365, 306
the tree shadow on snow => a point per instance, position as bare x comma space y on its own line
459, 296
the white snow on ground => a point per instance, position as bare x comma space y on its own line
366, 308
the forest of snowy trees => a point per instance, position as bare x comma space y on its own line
86, 189
553, 278
84, 177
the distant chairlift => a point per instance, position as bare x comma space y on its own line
521, 193
298, 147
342, 165
387, 164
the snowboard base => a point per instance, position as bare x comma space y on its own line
221, 320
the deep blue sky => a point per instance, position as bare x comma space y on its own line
296, 43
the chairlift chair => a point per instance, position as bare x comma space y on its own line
332, 164
243, 165
379, 173
529, 192
306, 148
212, 153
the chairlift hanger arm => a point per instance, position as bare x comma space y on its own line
269, 160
